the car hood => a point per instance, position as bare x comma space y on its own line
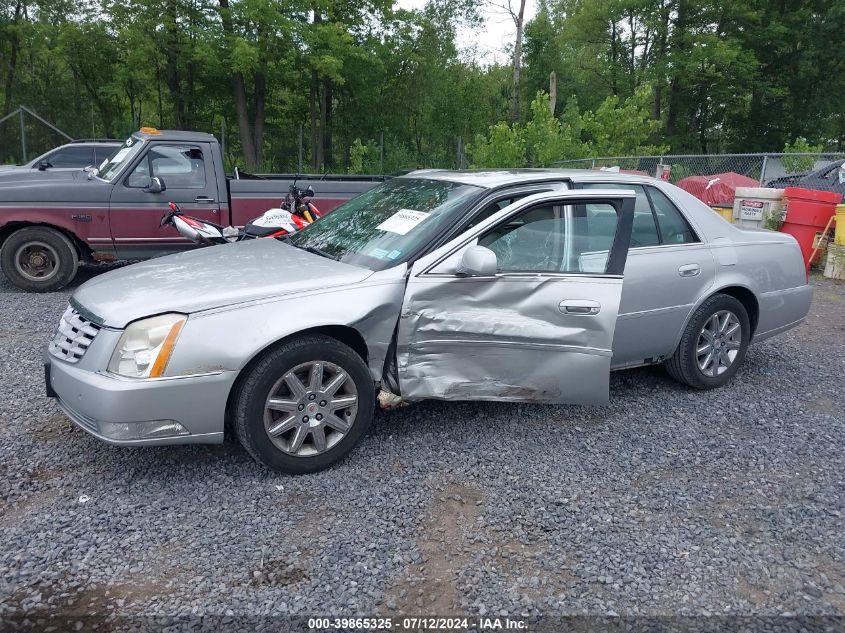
208, 278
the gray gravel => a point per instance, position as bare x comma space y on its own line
668, 501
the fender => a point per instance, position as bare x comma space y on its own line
370, 308
87, 226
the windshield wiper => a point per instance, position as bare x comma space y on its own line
310, 249
317, 251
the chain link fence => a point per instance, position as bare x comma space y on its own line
778, 170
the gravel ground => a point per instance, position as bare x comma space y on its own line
666, 502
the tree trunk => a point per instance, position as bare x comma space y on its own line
318, 112
613, 83
316, 130
519, 21
660, 56
326, 122
13, 60
679, 48
245, 130
242, 115
260, 101
174, 82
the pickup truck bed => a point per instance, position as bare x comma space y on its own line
253, 195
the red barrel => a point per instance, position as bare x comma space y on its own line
807, 213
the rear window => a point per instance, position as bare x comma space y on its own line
673, 226
72, 157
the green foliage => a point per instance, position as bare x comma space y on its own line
621, 128
800, 163
614, 129
503, 146
363, 158
681, 76
774, 219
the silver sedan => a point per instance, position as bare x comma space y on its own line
523, 286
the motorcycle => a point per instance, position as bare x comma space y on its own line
296, 212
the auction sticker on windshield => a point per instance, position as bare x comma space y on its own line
402, 221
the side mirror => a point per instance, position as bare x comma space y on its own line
309, 193
478, 261
156, 185
43, 165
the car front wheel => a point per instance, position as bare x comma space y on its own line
713, 344
304, 405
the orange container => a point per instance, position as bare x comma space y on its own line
807, 213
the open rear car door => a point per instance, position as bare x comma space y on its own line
522, 306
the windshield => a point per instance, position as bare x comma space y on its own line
110, 167
385, 225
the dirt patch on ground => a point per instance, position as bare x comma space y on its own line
430, 584
12, 515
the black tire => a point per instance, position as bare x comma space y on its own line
683, 365
58, 253
262, 378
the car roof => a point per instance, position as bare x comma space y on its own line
495, 178
94, 141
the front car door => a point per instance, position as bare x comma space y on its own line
187, 171
538, 329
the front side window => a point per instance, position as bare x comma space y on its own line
644, 229
572, 238
179, 167
673, 226
389, 223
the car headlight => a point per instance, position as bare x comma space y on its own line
146, 345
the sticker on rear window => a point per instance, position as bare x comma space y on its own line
402, 221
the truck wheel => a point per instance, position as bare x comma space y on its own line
38, 259
304, 405
713, 344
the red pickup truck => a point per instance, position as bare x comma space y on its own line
49, 223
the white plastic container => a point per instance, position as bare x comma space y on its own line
752, 205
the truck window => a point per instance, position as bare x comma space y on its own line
178, 166
72, 157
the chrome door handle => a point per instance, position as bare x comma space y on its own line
580, 307
204, 200
689, 270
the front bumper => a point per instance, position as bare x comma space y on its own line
123, 411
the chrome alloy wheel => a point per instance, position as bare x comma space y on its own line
310, 408
37, 261
718, 343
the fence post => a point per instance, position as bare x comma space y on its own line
299, 164
23, 136
223, 139
763, 169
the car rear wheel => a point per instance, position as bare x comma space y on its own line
39, 259
304, 405
713, 344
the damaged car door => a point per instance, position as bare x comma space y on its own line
522, 306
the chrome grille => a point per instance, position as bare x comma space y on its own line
74, 336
